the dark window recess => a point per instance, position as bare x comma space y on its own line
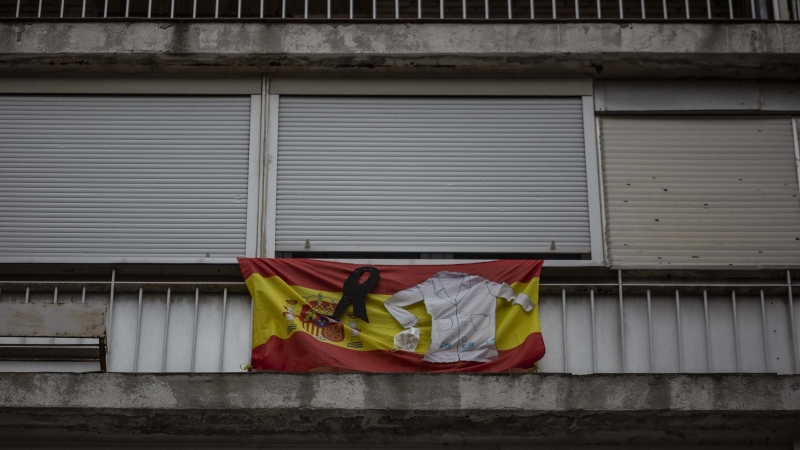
453, 256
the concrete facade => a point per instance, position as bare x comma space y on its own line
601, 50
400, 409
410, 409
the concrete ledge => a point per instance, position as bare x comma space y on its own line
423, 409
610, 49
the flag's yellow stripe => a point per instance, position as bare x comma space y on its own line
270, 295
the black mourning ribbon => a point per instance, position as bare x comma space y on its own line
356, 293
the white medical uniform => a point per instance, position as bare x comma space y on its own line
463, 310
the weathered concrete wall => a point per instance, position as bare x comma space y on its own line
612, 49
401, 409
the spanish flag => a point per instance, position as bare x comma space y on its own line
477, 317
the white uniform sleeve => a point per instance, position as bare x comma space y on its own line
396, 302
505, 291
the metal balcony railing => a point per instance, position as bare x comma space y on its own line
631, 324
404, 9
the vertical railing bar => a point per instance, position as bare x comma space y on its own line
250, 336
238, 11
105, 9
27, 299
216, 9
62, 9
283, 8
735, 330
594, 333
171, 9
374, 9
621, 320
127, 7
83, 301
708, 7
110, 311
194, 332
351, 9
599, 10
166, 334
764, 328
688, 14
795, 352
664, 3
40, 9
533, 11
419, 9
644, 16
149, 8
752, 8
708, 331
680, 330
486, 8
55, 302
510, 15
329, 9
464, 8
650, 333
261, 10
396, 9
441, 9
554, 7
138, 334
577, 10
305, 9
222, 336
621, 12
19, 2
730, 8
564, 325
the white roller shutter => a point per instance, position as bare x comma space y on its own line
431, 175
694, 190
123, 177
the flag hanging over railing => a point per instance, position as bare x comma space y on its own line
478, 317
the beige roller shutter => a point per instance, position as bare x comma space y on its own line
701, 191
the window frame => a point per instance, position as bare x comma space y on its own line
158, 87
461, 88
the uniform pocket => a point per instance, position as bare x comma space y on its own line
444, 324
479, 321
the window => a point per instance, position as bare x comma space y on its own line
133, 178
432, 176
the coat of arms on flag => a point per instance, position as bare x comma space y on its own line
479, 317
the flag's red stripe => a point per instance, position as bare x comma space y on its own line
301, 352
329, 276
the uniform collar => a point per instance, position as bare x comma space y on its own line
439, 279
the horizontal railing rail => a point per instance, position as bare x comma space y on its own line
629, 325
404, 9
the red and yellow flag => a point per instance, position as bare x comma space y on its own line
293, 299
